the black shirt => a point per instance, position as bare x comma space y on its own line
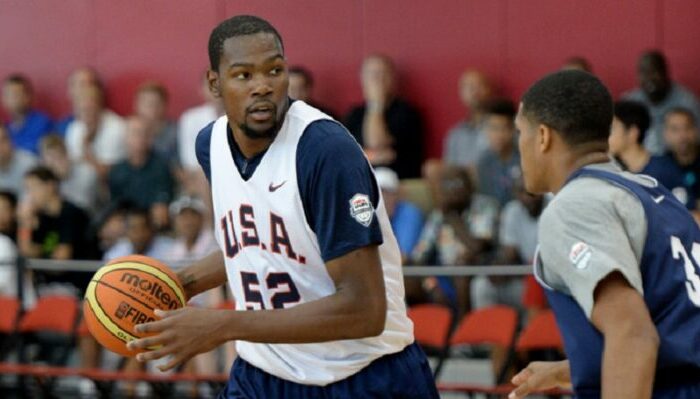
71, 227
405, 126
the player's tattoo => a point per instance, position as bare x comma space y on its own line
188, 280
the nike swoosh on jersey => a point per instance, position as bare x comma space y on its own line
659, 198
274, 188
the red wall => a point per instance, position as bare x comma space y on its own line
432, 41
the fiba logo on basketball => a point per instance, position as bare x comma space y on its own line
136, 316
149, 289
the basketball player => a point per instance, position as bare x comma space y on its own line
618, 255
305, 243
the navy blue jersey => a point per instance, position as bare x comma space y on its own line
670, 269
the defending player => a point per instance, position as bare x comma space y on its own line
305, 242
618, 255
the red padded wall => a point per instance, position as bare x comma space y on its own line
431, 41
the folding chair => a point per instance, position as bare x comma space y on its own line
494, 325
431, 328
53, 321
9, 315
541, 333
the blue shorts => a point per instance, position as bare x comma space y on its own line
405, 375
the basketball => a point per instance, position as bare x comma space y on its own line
126, 292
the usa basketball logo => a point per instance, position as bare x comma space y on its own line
361, 209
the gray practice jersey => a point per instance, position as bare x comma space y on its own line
590, 229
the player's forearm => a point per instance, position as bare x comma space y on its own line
629, 363
332, 318
205, 274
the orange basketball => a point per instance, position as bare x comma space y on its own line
126, 292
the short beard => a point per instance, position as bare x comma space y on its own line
257, 135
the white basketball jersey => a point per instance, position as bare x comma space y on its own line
262, 230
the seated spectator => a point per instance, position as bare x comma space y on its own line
143, 178
192, 121
151, 105
465, 143
26, 125
8, 274
52, 228
194, 241
627, 134
111, 226
679, 168
78, 80
577, 63
499, 166
14, 163
517, 245
8, 211
406, 219
79, 182
301, 86
459, 232
96, 136
660, 94
141, 238
386, 126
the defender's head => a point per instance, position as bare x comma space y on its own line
565, 114
249, 72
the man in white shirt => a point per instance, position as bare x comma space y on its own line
97, 134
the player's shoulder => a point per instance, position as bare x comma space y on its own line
589, 198
327, 138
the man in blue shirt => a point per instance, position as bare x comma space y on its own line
26, 125
679, 168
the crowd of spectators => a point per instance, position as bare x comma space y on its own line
98, 185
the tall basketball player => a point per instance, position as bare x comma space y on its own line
619, 255
306, 245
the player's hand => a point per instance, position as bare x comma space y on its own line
181, 334
540, 376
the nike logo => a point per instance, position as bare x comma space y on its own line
274, 188
658, 199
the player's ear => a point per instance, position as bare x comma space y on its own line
213, 79
544, 137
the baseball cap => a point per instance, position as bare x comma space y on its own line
187, 202
387, 179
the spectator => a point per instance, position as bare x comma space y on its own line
406, 219
499, 166
459, 232
111, 226
192, 121
143, 178
141, 238
151, 105
660, 94
577, 63
14, 163
96, 136
387, 127
627, 134
26, 125
679, 168
8, 211
465, 143
517, 245
78, 80
8, 275
193, 242
51, 227
79, 183
301, 85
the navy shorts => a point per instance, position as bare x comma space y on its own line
405, 375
